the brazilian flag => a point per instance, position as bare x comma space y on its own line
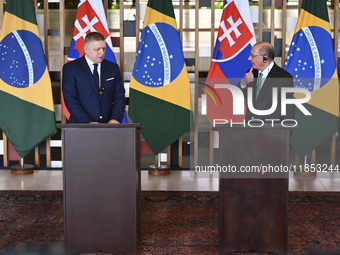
311, 61
27, 110
160, 87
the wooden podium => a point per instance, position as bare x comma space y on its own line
102, 187
254, 206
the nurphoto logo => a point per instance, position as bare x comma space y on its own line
238, 105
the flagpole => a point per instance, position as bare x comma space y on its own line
159, 160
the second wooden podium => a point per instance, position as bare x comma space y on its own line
254, 198
102, 187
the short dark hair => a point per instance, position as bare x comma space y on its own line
94, 36
267, 49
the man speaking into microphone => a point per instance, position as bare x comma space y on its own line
92, 86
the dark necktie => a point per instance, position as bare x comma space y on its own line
96, 75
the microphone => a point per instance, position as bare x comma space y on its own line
101, 90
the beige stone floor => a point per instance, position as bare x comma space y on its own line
176, 181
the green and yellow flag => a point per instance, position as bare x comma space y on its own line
160, 87
27, 110
311, 61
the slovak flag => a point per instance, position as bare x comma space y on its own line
230, 62
90, 17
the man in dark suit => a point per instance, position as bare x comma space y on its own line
92, 86
262, 77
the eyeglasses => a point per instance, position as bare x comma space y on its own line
253, 56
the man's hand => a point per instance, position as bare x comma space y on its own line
113, 122
248, 77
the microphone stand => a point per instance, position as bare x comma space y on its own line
101, 93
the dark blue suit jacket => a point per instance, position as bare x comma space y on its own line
81, 95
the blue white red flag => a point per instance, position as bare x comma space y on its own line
90, 17
230, 62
